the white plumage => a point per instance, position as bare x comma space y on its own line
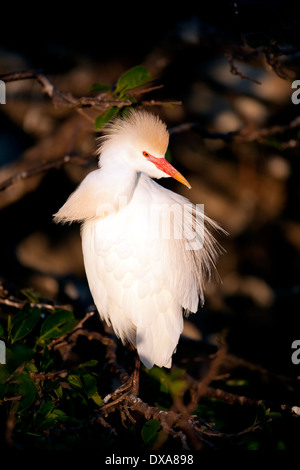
142, 270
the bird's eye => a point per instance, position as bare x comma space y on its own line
146, 154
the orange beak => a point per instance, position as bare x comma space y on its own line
163, 165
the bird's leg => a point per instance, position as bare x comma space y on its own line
130, 386
135, 377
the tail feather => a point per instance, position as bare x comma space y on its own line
157, 340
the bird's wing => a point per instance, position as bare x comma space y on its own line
191, 249
140, 278
82, 204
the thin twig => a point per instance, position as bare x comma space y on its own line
62, 339
43, 167
201, 387
59, 97
233, 399
15, 398
16, 303
161, 103
234, 70
240, 135
38, 376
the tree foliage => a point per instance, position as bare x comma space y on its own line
54, 399
65, 381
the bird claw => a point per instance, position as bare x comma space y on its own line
131, 386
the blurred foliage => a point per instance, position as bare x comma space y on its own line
32, 390
49, 403
133, 78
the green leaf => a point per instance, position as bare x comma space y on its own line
59, 391
150, 431
91, 363
176, 374
178, 387
46, 408
85, 383
2, 333
172, 383
30, 367
24, 322
100, 88
60, 416
237, 382
96, 398
57, 324
160, 376
132, 78
27, 390
46, 359
105, 117
90, 384
31, 295
19, 353
274, 415
75, 381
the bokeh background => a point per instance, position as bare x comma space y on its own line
234, 137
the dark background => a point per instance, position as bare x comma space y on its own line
251, 186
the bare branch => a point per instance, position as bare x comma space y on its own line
22, 75
61, 98
161, 103
240, 135
16, 303
234, 70
43, 167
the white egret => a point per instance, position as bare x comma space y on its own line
147, 250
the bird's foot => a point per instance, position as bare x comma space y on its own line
119, 393
131, 386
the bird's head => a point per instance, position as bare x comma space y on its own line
141, 140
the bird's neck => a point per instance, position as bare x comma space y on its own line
120, 177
